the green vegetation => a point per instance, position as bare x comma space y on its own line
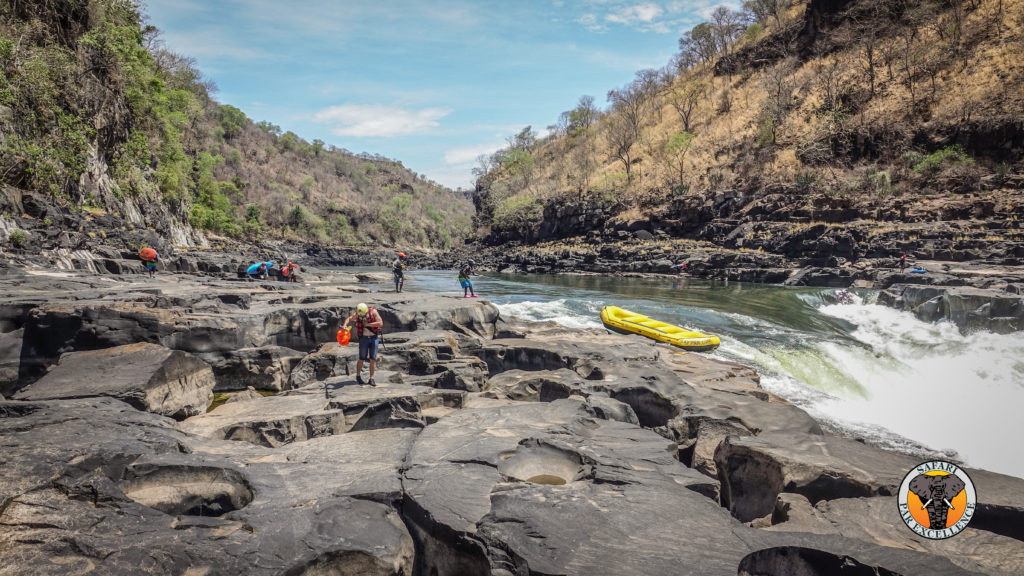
88, 79
17, 238
517, 213
950, 155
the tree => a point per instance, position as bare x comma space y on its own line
519, 165
676, 148
778, 85
762, 10
698, 45
524, 140
621, 137
685, 101
232, 120
579, 119
727, 26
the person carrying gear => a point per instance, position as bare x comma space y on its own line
149, 257
398, 267
368, 328
467, 286
289, 272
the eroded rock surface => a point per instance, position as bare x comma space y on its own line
147, 376
487, 446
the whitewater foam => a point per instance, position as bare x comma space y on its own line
582, 314
933, 385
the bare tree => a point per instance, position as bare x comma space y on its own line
778, 84
685, 101
621, 136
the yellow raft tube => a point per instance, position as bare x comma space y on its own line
625, 322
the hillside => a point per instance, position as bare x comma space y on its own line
803, 128
106, 134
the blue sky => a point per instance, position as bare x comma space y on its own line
433, 84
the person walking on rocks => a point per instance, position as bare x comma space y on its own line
903, 263
467, 286
368, 327
398, 267
149, 257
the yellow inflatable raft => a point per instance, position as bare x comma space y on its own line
626, 322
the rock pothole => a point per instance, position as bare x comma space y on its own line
799, 561
189, 491
538, 462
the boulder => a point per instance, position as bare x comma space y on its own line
969, 308
542, 386
264, 368
147, 376
93, 485
755, 470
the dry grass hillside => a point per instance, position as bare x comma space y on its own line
853, 102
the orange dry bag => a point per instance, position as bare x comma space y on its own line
147, 254
344, 336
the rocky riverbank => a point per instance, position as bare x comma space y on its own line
488, 446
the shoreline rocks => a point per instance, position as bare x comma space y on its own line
488, 446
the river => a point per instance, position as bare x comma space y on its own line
860, 368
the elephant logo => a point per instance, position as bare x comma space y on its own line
937, 500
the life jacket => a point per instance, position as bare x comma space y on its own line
360, 325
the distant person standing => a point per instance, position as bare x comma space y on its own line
903, 263
467, 286
398, 267
289, 272
369, 325
149, 258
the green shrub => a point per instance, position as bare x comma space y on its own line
18, 238
517, 213
932, 163
805, 181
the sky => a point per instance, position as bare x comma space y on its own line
433, 84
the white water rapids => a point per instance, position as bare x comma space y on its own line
918, 387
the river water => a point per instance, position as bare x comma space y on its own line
859, 368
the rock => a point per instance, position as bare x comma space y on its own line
266, 368
878, 519
334, 407
329, 361
249, 393
147, 376
755, 470
970, 309
169, 503
543, 386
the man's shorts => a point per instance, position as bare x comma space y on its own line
150, 266
466, 283
368, 348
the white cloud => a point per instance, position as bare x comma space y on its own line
641, 13
212, 44
589, 22
468, 154
379, 121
